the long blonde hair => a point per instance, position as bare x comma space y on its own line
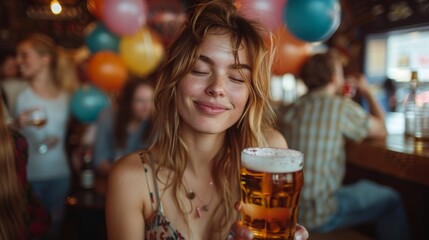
205, 18
11, 203
64, 72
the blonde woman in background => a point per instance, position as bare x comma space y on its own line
48, 89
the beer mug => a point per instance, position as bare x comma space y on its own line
38, 117
271, 181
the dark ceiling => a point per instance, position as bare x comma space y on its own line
19, 17
22, 16
382, 15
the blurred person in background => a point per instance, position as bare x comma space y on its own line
10, 83
390, 99
48, 168
21, 214
318, 124
8, 65
11, 185
124, 128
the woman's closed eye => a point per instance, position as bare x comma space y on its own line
199, 72
237, 79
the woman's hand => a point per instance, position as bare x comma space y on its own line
239, 232
24, 118
361, 83
242, 233
301, 233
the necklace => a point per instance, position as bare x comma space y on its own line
204, 208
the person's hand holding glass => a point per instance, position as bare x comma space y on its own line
271, 181
349, 87
37, 117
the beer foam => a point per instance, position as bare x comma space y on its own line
272, 160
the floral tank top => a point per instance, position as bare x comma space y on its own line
157, 226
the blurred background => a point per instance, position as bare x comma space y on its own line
382, 38
108, 41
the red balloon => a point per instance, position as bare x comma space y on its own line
124, 17
166, 17
107, 71
290, 53
268, 12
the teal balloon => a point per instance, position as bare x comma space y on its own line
100, 38
312, 20
87, 102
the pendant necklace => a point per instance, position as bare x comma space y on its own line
200, 210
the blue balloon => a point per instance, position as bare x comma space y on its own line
312, 20
99, 38
87, 102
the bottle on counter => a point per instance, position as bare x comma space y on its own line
87, 175
416, 111
425, 121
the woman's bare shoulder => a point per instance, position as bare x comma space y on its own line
129, 172
275, 138
126, 198
129, 164
128, 180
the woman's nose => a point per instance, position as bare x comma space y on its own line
216, 86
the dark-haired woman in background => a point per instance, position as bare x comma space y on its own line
126, 127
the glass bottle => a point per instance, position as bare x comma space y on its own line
87, 175
412, 111
425, 121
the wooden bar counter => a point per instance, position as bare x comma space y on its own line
399, 162
397, 155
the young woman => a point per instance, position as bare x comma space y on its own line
212, 100
48, 169
126, 128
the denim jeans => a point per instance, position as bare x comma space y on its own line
366, 202
52, 194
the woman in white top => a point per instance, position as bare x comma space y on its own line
48, 169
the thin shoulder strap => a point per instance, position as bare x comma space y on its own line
155, 183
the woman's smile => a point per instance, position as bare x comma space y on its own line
211, 108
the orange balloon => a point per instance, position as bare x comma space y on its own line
95, 8
290, 53
107, 71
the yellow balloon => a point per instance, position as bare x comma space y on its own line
141, 52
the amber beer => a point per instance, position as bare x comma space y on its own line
39, 122
271, 181
38, 118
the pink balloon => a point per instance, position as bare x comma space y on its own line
124, 17
268, 12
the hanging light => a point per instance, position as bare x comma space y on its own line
56, 7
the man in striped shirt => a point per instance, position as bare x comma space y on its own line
318, 124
